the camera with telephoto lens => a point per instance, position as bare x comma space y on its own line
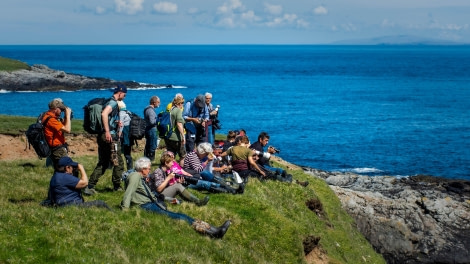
276, 150
265, 155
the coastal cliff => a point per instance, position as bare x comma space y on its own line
42, 78
419, 219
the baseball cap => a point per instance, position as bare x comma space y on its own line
66, 161
120, 88
200, 101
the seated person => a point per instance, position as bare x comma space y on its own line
66, 189
164, 181
242, 159
195, 181
199, 163
263, 160
139, 194
230, 142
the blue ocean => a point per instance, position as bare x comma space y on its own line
376, 110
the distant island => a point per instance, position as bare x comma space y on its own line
16, 76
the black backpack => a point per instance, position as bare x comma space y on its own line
36, 138
92, 115
136, 126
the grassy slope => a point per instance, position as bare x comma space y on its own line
269, 223
11, 65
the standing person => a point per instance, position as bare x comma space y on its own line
66, 189
151, 138
213, 112
138, 193
55, 129
196, 115
126, 144
177, 141
109, 148
170, 105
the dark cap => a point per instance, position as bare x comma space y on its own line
67, 161
120, 88
200, 101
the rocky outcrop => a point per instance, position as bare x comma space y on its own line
419, 219
42, 78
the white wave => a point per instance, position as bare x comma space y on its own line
366, 170
4, 91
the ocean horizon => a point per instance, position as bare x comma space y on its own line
373, 110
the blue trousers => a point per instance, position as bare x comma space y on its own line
150, 143
152, 207
275, 170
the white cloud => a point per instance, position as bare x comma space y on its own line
166, 7
250, 16
320, 10
230, 7
273, 9
129, 6
284, 20
100, 10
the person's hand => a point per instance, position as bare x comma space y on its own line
171, 175
210, 157
271, 150
109, 138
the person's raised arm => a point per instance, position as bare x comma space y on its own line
83, 178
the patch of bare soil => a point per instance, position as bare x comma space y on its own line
16, 147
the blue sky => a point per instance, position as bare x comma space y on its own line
230, 21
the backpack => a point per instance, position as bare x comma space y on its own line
35, 137
136, 126
92, 115
164, 125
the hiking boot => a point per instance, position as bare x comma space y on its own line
304, 183
241, 188
90, 191
118, 189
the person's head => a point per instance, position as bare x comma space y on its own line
208, 98
166, 160
178, 102
217, 150
56, 105
231, 135
143, 165
120, 92
66, 164
200, 101
155, 101
121, 105
203, 149
263, 138
178, 95
242, 141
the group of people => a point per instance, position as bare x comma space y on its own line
201, 164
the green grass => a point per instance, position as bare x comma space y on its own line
269, 223
12, 65
15, 125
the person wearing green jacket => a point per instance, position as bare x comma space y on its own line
138, 193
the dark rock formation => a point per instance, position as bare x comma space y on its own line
42, 78
419, 219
